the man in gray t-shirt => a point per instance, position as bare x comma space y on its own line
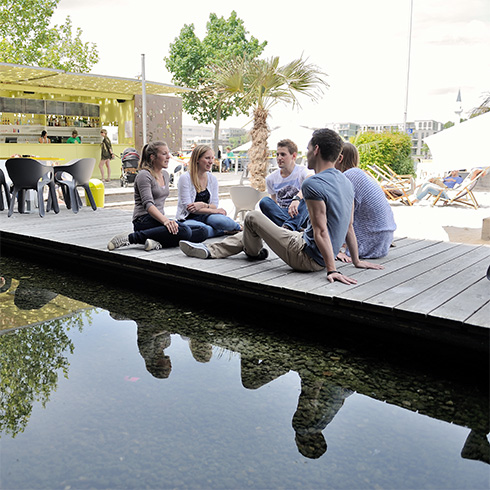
329, 197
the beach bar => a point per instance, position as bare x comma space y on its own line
35, 99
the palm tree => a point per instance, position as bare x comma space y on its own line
483, 107
262, 84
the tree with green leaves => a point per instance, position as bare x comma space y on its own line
26, 38
261, 84
392, 149
191, 62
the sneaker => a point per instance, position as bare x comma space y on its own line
152, 245
263, 254
121, 240
198, 250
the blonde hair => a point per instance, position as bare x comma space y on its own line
149, 150
196, 154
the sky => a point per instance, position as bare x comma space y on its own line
362, 45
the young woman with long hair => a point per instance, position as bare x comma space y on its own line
198, 196
151, 188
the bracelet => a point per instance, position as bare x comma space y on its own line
333, 272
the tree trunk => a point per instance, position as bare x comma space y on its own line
216, 131
259, 151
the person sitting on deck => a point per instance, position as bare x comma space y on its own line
198, 203
374, 223
286, 206
151, 187
329, 197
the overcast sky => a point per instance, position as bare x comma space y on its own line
362, 46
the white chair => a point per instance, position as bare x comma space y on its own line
245, 199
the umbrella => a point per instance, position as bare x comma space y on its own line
461, 147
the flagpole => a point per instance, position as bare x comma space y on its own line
408, 67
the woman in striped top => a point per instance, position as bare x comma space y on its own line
374, 223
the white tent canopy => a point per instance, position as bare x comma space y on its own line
461, 147
299, 134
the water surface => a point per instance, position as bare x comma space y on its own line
112, 389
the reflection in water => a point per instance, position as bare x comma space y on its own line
31, 359
318, 404
151, 343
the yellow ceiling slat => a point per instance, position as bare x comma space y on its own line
44, 79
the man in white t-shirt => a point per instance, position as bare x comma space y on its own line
286, 206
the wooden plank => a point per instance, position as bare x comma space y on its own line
399, 270
426, 301
462, 306
423, 281
481, 317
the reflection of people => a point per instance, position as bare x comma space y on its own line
318, 404
198, 196
201, 351
374, 223
434, 186
74, 138
476, 447
106, 155
151, 188
44, 137
286, 206
329, 198
151, 343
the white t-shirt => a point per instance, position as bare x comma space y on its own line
286, 188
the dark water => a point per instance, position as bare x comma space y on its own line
121, 390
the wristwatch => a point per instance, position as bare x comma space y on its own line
296, 198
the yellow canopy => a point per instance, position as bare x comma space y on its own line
46, 80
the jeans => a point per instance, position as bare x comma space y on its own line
226, 164
146, 227
214, 224
280, 216
430, 188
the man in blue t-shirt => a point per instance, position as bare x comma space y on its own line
329, 197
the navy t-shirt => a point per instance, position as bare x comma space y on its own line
336, 191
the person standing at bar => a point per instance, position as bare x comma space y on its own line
106, 155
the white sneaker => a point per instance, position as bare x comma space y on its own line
121, 240
152, 245
198, 250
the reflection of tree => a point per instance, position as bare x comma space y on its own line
29, 362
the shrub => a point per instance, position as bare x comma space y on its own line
392, 149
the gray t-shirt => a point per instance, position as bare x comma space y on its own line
335, 190
147, 192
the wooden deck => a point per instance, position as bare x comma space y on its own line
428, 289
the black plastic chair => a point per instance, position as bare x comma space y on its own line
26, 174
5, 189
80, 172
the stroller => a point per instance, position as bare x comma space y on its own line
129, 165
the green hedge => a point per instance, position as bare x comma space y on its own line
392, 149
